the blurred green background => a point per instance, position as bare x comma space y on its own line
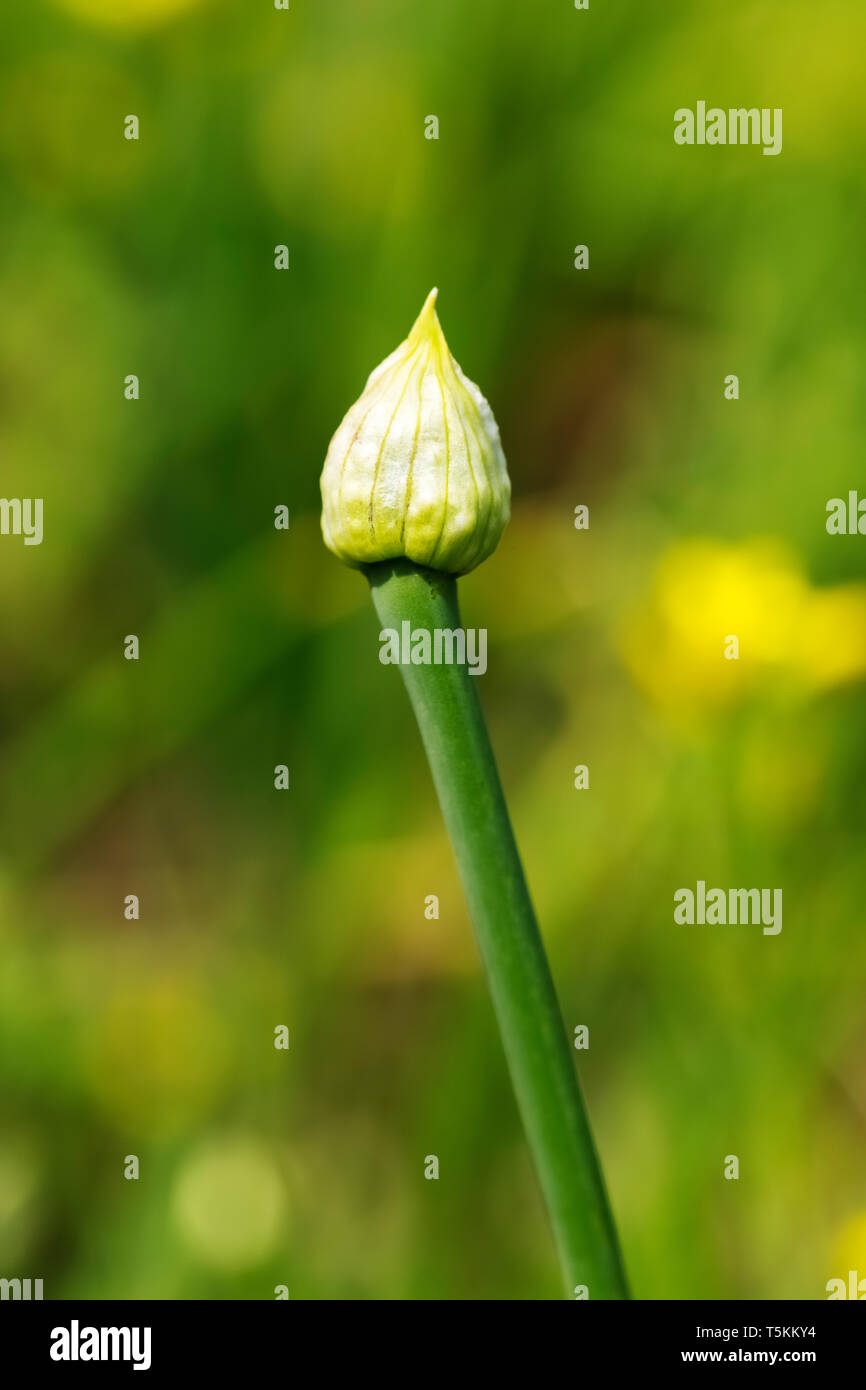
306, 907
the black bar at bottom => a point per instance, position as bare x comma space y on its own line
225, 1338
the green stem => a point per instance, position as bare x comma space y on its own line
542, 1069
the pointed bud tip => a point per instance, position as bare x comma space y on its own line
427, 324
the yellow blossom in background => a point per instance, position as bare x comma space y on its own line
706, 592
128, 14
832, 639
848, 1248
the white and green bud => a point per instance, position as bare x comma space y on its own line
416, 469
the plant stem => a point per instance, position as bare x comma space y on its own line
542, 1069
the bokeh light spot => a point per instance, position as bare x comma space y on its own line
230, 1203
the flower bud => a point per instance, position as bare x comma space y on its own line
416, 468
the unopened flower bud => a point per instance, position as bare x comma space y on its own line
416, 468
